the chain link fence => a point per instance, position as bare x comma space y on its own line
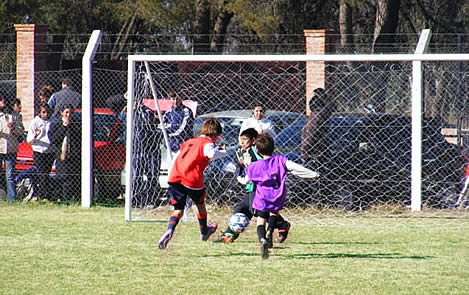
358, 135
363, 144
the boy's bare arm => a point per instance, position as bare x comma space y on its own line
300, 171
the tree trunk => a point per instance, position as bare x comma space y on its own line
345, 24
123, 37
202, 27
386, 22
221, 25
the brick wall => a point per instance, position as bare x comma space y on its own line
317, 42
31, 57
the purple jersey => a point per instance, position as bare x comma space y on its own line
269, 177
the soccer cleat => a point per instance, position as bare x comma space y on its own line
283, 233
224, 238
163, 243
211, 229
264, 249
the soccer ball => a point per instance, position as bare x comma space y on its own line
239, 222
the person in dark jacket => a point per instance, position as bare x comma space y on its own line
314, 136
66, 96
65, 135
179, 122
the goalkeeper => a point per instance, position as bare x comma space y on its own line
246, 155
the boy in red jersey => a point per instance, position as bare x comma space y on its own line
186, 178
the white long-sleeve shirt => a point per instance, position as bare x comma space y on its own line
41, 142
263, 125
294, 168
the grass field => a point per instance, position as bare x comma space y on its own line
53, 249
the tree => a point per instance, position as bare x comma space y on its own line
201, 39
345, 24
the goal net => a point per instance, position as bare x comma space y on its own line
360, 121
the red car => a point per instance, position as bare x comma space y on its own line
109, 155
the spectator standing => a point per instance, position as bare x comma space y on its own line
43, 152
16, 113
66, 96
261, 124
117, 103
146, 156
314, 136
65, 135
44, 96
179, 122
9, 132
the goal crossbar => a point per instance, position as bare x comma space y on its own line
302, 57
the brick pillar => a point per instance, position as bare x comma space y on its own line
317, 42
31, 57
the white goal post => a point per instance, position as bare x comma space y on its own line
416, 98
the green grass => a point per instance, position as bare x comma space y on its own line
53, 249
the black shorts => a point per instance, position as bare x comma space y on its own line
259, 213
245, 205
178, 195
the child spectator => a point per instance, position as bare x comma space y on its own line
43, 152
186, 178
10, 130
246, 155
269, 177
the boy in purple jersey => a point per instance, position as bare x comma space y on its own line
269, 176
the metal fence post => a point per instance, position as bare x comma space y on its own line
87, 120
417, 77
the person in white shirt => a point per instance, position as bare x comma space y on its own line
261, 124
43, 152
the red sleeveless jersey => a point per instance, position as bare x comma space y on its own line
188, 168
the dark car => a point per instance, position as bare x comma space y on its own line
370, 161
109, 156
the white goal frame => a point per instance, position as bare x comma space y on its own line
416, 112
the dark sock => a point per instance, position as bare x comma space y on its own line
280, 222
261, 232
202, 223
173, 222
271, 225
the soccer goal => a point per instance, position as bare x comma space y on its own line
375, 128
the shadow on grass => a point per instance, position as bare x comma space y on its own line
337, 243
231, 254
349, 255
